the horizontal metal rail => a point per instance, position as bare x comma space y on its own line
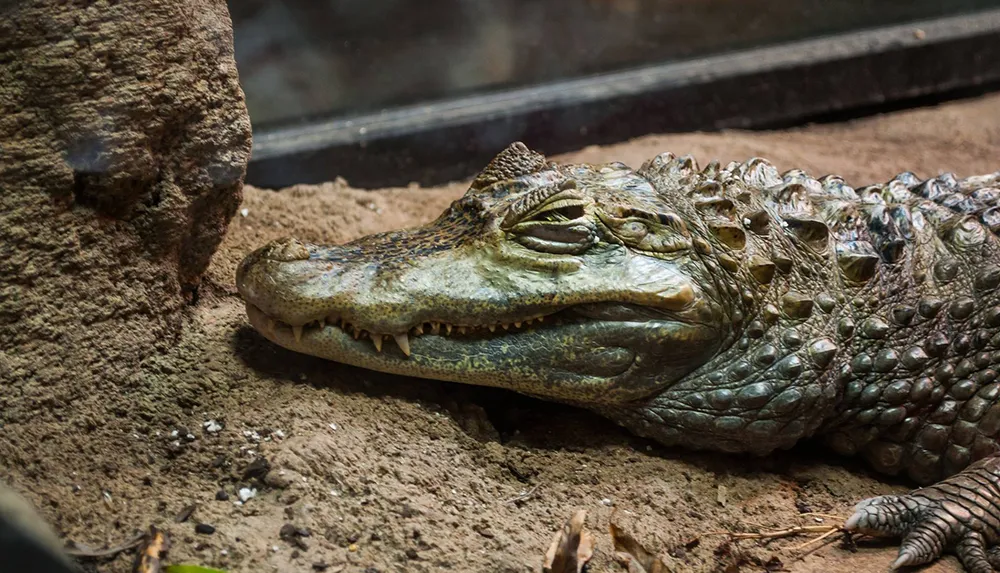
781, 84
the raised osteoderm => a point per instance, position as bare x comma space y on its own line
729, 308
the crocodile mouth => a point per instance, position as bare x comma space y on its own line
585, 352
296, 336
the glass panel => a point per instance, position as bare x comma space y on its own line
305, 59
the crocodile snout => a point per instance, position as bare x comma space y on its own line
281, 280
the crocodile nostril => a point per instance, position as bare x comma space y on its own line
286, 250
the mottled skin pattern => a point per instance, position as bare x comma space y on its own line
729, 308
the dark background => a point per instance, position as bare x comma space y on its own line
306, 59
388, 92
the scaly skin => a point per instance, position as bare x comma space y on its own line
732, 309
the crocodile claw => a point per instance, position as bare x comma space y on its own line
960, 514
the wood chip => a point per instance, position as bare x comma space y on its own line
572, 546
185, 514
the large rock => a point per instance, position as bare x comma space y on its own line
124, 140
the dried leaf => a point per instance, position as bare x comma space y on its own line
572, 546
154, 548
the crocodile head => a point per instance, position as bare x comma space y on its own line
579, 283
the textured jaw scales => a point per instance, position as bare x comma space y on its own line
402, 339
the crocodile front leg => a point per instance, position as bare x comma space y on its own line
960, 514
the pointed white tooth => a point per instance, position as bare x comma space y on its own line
356, 333
493, 328
517, 323
505, 326
377, 341
435, 327
447, 329
297, 331
539, 319
461, 330
404, 342
418, 329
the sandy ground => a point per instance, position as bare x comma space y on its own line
389, 473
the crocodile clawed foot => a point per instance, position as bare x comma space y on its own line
960, 515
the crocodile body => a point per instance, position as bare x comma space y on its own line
727, 308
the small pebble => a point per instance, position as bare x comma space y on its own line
244, 212
246, 493
221, 495
212, 427
204, 529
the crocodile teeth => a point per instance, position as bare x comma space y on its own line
435, 327
377, 341
297, 331
505, 326
447, 329
461, 330
517, 324
418, 329
404, 342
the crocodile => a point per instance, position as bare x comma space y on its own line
729, 308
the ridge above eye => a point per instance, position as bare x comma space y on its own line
559, 210
560, 206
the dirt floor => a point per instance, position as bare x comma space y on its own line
385, 473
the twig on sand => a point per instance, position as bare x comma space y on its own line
524, 496
87, 553
778, 533
824, 534
828, 537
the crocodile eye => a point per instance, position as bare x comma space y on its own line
557, 211
558, 227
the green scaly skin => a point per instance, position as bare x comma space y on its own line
730, 308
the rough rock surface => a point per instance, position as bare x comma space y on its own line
124, 140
